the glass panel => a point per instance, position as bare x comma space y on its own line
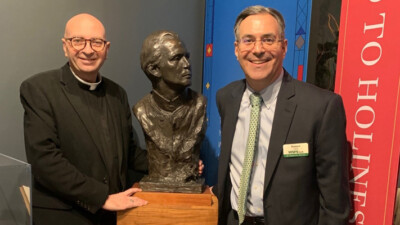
15, 192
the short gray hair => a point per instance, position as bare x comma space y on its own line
259, 9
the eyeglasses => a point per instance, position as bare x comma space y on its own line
79, 43
248, 43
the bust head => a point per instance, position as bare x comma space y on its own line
164, 60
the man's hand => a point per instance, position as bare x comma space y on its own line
201, 167
123, 200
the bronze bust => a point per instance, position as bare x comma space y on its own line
172, 116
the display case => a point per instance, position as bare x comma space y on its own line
15, 192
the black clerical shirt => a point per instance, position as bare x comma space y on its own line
100, 113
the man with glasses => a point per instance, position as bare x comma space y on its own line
283, 153
78, 134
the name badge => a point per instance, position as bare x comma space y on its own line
295, 150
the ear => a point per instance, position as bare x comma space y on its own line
106, 49
284, 46
236, 49
154, 70
65, 48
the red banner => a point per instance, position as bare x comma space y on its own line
368, 69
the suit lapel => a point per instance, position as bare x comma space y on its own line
231, 106
285, 109
231, 114
71, 91
230, 118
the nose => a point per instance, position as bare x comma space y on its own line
88, 48
186, 62
258, 47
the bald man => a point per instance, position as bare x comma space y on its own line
78, 134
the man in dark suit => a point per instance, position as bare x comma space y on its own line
78, 134
299, 173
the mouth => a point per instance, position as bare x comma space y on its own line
187, 74
260, 61
86, 60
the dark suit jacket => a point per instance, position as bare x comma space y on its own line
68, 164
297, 191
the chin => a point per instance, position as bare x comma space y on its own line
89, 69
258, 76
186, 82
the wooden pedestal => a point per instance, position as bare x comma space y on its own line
172, 208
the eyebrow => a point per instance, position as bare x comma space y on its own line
87, 38
177, 53
262, 36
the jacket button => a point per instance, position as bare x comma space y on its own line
105, 180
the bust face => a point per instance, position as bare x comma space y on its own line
174, 64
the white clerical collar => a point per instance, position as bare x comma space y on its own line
92, 86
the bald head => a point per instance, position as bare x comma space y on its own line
85, 25
85, 60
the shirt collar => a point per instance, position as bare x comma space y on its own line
92, 86
268, 94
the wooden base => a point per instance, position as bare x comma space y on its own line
172, 208
153, 185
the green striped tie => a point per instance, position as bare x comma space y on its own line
252, 140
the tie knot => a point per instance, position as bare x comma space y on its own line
255, 99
